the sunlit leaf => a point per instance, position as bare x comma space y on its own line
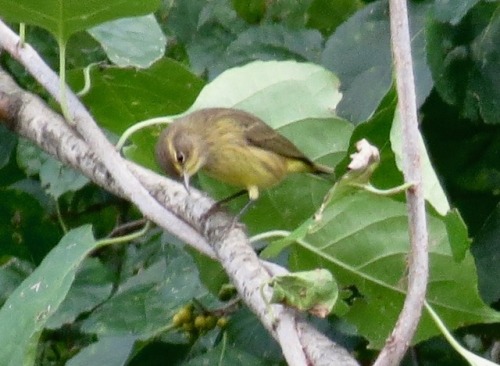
63, 18
137, 41
363, 240
433, 191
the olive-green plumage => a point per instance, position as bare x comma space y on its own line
232, 146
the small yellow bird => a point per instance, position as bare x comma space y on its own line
232, 146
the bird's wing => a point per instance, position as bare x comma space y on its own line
259, 134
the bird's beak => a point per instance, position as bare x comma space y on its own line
186, 181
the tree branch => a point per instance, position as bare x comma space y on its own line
402, 334
31, 118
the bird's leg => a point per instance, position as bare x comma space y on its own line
253, 194
217, 205
230, 198
243, 210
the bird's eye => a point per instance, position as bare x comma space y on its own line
180, 157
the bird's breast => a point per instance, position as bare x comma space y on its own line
242, 165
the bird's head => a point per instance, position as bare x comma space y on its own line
179, 152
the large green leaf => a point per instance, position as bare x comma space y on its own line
267, 42
363, 239
359, 53
118, 98
145, 303
63, 18
92, 285
295, 91
26, 311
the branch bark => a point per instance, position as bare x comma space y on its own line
84, 147
402, 334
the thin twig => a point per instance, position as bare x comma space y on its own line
402, 334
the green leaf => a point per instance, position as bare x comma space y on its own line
184, 18
457, 234
377, 132
292, 13
63, 18
109, 351
266, 42
473, 359
359, 53
295, 90
119, 98
55, 177
136, 42
206, 28
59, 179
433, 192
326, 15
314, 291
145, 303
247, 333
212, 275
207, 50
217, 39
464, 70
12, 274
485, 83
223, 354
486, 250
452, 12
363, 240
27, 310
92, 285
250, 10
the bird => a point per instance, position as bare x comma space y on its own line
232, 146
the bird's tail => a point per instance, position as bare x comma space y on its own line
324, 171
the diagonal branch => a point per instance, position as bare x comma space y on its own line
402, 334
31, 118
